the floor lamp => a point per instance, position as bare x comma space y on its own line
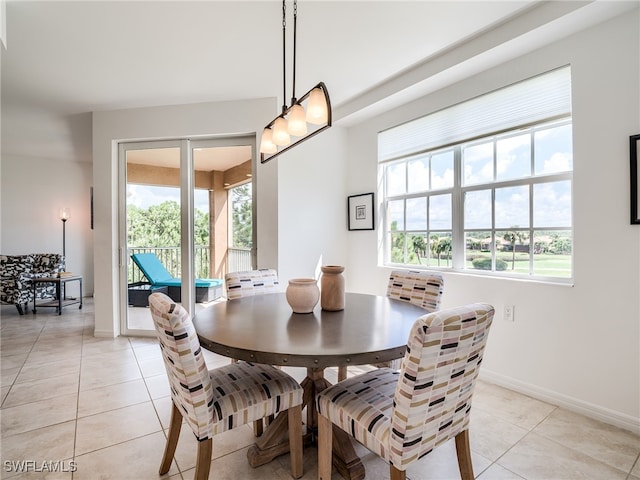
64, 214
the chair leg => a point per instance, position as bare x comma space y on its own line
464, 455
295, 440
172, 439
258, 428
325, 445
19, 307
395, 474
203, 462
342, 373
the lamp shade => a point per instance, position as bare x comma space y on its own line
317, 111
281, 132
266, 144
64, 214
297, 121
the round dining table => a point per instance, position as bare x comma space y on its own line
263, 329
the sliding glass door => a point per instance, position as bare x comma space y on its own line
175, 221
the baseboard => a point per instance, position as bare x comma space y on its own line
103, 334
605, 415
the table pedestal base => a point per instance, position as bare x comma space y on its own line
274, 441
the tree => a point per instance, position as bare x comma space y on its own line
159, 226
512, 237
560, 245
242, 216
419, 246
439, 245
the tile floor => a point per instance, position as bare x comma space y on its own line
101, 407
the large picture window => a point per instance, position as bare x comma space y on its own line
498, 202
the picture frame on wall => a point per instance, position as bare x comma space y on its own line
634, 148
360, 212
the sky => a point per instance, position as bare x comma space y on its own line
552, 148
144, 196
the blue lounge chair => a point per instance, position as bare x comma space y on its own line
207, 289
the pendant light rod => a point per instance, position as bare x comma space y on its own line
295, 25
305, 117
284, 56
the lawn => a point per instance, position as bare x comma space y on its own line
545, 265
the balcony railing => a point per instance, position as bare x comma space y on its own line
238, 259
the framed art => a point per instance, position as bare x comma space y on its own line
634, 148
360, 211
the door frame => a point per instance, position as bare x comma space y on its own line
187, 185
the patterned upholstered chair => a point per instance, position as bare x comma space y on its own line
402, 416
16, 272
414, 286
251, 282
214, 401
247, 284
418, 287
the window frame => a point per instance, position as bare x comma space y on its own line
458, 191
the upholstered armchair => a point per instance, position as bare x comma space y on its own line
16, 272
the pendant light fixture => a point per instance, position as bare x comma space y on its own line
306, 116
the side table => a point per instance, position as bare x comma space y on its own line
61, 292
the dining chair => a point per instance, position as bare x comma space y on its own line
419, 287
246, 284
214, 401
251, 282
403, 416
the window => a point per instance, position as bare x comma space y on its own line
496, 202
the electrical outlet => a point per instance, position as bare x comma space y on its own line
509, 313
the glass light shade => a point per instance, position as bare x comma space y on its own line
281, 132
266, 144
64, 214
297, 121
317, 112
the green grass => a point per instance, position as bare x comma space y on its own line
544, 265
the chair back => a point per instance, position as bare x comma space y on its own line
251, 282
191, 387
151, 267
418, 287
437, 379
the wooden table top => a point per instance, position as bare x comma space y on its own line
264, 329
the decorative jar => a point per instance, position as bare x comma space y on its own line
332, 288
302, 294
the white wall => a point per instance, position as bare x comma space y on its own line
33, 190
577, 345
179, 121
312, 206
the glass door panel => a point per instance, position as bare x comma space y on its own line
177, 221
152, 225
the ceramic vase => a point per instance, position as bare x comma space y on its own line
303, 294
332, 288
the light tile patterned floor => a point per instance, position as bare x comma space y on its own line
104, 405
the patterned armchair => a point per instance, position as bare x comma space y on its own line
16, 272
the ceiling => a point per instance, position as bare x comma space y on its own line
64, 60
